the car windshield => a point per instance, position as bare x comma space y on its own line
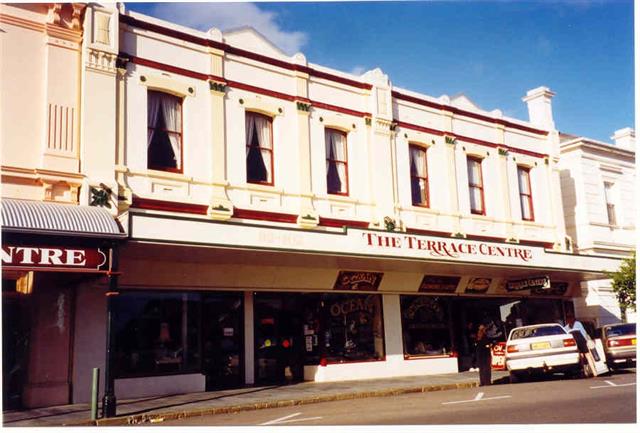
537, 331
618, 330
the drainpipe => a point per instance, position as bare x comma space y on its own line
109, 399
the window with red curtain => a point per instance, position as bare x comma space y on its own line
337, 165
476, 188
526, 200
419, 175
259, 138
164, 131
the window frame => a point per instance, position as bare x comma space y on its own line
476, 159
180, 134
424, 149
337, 161
522, 194
273, 175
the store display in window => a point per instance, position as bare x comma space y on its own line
425, 326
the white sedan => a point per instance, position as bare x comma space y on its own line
544, 348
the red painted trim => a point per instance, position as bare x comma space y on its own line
126, 19
60, 269
468, 139
340, 109
260, 90
465, 113
164, 67
264, 216
333, 222
168, 206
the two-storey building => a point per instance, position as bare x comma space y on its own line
598, 194
289, 221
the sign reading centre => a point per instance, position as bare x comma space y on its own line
447, 248
49, 258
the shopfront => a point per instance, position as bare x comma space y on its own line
49, 252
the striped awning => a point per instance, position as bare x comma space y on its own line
37, 217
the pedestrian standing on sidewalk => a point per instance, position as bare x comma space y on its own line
483, 355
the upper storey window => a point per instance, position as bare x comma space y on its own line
524, 185
419, 178
476, 188
611, 207
337, 165
164, 131
259, 148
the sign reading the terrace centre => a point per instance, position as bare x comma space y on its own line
63, 258
447, 248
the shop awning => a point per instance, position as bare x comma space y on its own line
36, 217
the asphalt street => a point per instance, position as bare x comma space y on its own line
605, 399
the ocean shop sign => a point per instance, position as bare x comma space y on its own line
450, 248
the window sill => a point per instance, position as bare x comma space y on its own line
161, 174
258, 187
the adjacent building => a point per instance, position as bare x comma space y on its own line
599, 199
283, 220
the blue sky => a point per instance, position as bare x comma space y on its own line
492, 51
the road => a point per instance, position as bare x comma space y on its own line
606, 399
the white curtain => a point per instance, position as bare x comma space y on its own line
418, 162
474, 171
153, 106
336, 154
523, 182
173, 122
250, 125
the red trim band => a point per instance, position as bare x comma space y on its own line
458, 111
168, 206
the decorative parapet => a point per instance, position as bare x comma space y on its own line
101, 61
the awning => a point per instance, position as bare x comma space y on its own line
37, 217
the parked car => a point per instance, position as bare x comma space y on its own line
619, 341
544, 348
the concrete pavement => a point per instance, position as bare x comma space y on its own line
154, 409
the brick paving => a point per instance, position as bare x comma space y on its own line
152, 409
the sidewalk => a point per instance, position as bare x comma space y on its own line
155, 409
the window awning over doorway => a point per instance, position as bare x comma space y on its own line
46, 218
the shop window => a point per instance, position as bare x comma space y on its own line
156, 333
425, 326
611, 207
164, 132
419, 178
476, 188
524, 186
259, 141
337, 166
343, 328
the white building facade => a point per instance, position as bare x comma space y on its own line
286, 221
599, 198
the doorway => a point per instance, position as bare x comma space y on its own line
279, 340
223, 340
15, 344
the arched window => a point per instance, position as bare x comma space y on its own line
164, 131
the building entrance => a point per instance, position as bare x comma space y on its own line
222, 340
279, 341
15, 344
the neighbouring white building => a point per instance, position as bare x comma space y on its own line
599, 198
282, 219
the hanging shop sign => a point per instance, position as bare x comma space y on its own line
437, 283
556, 289
478, 285
353, 280
20, 257
533, 283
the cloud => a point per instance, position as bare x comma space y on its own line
227, 16
358, 70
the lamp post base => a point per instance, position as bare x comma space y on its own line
108, 406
